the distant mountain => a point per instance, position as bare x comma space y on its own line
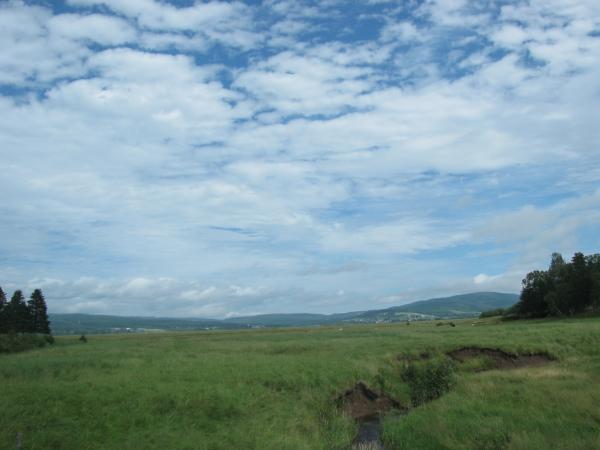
95, 324
464, 305
457, 306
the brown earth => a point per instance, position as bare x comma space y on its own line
501, 359
363, 404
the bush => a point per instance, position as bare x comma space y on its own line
19, 342
492, 313
428, 380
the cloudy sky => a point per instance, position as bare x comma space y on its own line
191, 158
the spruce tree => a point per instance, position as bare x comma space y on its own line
579, 283
38, 313
3, 328
19, 317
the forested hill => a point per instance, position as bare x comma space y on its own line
95, 323
465, 305
460, 305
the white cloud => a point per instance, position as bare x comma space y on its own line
30, 53
406, 236
401, 33
227, 22
483, 278
167, 159
158, 15
104, 30
294, 84
195, 295
538, 232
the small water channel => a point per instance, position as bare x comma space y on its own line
369, 435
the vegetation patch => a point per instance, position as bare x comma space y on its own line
19, 342
429, 379
225, 390
499, 359
23, 325
407, 357
426, 377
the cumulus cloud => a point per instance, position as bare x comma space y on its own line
231, 158
31, 53
226, 22
97, 28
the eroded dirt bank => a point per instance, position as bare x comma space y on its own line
499, 358
367, 407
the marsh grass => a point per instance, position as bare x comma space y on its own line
428, 380
275, 389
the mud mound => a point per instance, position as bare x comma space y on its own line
500, 358
363, 404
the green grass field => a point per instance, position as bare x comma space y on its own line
275, 389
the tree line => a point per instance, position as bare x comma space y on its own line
20, 316
565, 289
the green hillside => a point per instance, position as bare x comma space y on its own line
457, 306
464, 305
94, 323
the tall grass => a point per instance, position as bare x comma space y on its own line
275, 389
20, 342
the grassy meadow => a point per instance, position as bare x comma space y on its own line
275, 389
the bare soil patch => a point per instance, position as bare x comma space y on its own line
363, 404
501, 360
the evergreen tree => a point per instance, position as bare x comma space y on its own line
38, 313
557, 273
19, 318
593, 265
593, 262
595, 291
579, 284
3, 328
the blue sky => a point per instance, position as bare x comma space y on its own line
226, 158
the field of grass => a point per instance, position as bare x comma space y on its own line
275, 389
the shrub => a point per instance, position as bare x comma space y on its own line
428, 380
18, 342
492, 313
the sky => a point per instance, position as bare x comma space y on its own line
217, 159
